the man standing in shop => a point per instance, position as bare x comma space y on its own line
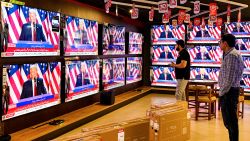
182, 70
229, 82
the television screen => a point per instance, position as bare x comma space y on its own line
163, 55
135, 43
239, 29
113, 73
82, 78
246, 64
30, 87
204, 73
113, 39
205, 55
29, 31
204, 34
243, 46
82, 37
134, 69
163, 76
245, 82
168, 34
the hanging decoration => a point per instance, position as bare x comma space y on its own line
169, 12
108, 4
239, 16
187, 18
151, 14
219, 21
163, 6
196, 7
228, 13
165, 18
135, 12
197, 21
181, 16
213, 12
183, 1
172, 3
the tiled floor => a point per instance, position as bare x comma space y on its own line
201, 130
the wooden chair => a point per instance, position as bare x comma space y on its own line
192, 89
207, 97
241, 103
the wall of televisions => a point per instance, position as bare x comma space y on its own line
33, 34
202, 44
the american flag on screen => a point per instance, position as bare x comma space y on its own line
246, 79
214, 32
194, 32
72, 70
119, 70
93, 69
157, 50
55, 77
230, 27
119, 35
246, 62
157, 30
11, 16
178, 31
18, 74
53, 37
172, 72
134, 71
217, 53
193, 51
193, 73
246, 27
157, 71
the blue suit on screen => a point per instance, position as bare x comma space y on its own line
28, 90
26, 34
80, 81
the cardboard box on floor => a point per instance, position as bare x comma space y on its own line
169, 122
79, 137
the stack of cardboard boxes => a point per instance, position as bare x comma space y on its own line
164, 122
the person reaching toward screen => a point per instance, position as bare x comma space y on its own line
34, 86
32, 31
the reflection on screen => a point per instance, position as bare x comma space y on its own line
134, 69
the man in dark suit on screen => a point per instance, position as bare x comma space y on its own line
166, 54
81, 36
240, 46
82, 78
32, 31
202, 75
165, 75
203, 54
34, 86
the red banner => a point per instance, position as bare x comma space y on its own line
165, 18
183, 1
187, 18
228, 10
169, 12
181, 16
107, 5
135, 13
213, 12
239, 16
196, 7
151, 14
197, 21
173, 3
219, 22
163, 6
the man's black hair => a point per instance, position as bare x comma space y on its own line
181, 43
230, 39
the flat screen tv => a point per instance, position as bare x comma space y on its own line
30, 87
113, 39
113, 73
135, 43
205, 55
163, 76
243, 46
167, 34
82, 36
239, 29
163, 54
134, 69
206, 34
245, 82
29, 31
201, 73
82, 79
246, 64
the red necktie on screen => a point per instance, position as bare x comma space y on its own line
82, 79
34, 32
35, 87
165, 76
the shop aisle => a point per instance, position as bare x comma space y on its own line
201, 130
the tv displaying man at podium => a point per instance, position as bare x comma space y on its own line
34, 86
202, 75
32, 31
82, 78
81, 36
166, 54
165, 75
203, 54
240, 45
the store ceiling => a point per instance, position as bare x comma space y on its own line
143, 13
